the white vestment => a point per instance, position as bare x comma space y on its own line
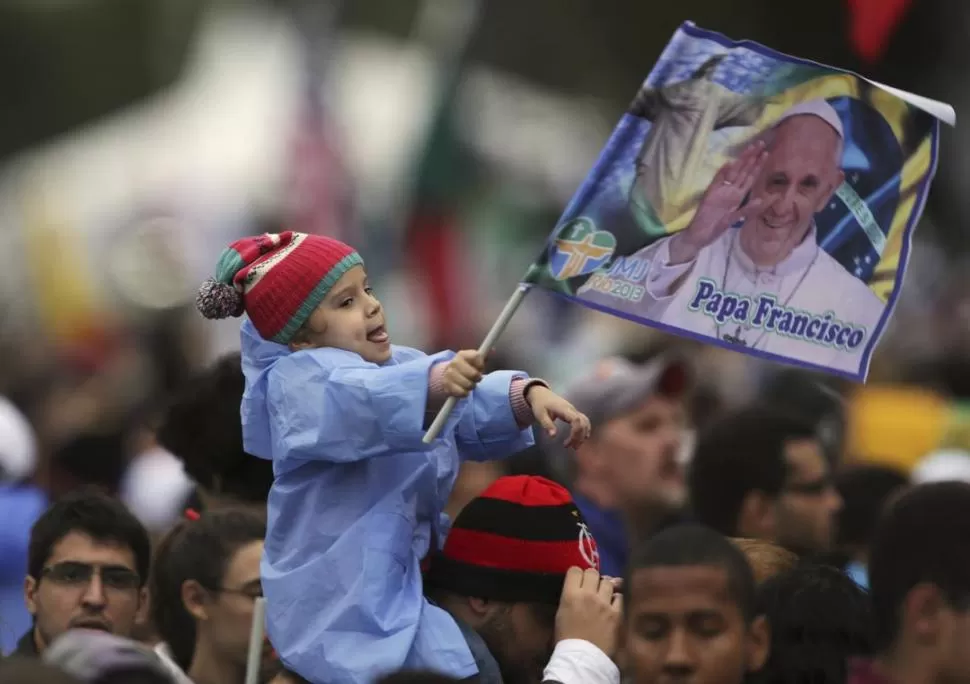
808, 280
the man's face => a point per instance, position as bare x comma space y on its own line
798, 177
807, 507
683, 626
641, 451
521, 638
229, 616
86, 583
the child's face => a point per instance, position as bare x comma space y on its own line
349, 317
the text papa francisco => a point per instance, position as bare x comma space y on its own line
764, 313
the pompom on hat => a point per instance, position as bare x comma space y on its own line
276, 278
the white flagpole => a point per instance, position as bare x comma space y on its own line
256, 635
501, 323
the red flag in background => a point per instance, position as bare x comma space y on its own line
872, 24
436, 255
434, 240
434, 235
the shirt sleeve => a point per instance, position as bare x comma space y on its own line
576, 661
662, 275
320, 410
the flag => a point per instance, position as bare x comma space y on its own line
435, 239
754, 201
872, 24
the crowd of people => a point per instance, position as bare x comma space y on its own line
575, 538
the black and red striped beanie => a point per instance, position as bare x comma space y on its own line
515, 542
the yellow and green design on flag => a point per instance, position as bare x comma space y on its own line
751, 200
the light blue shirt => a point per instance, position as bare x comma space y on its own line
356, 502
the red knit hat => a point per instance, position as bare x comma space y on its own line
277, 279
515, 542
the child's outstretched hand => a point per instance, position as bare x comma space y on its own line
463, 373
548, 407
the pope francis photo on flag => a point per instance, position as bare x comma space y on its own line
747, 269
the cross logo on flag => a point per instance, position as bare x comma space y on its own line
580, 249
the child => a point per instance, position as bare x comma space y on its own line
358, 499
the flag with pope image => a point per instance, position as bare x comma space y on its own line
754, 201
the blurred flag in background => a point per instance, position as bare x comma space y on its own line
872, 24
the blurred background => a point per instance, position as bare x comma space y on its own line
442, 138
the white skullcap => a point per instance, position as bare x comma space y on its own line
942, 466
90, 655
18, 444
155, 488
820, 108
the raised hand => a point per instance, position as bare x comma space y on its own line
590, 608
719, 208
548, 407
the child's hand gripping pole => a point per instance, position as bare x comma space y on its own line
490, 339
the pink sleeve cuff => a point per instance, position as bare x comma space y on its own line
520, 405
517, 391
436, 390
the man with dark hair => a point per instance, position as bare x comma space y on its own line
919, 579
761, 474
519, 575
691, 615
819, 618
88, 562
